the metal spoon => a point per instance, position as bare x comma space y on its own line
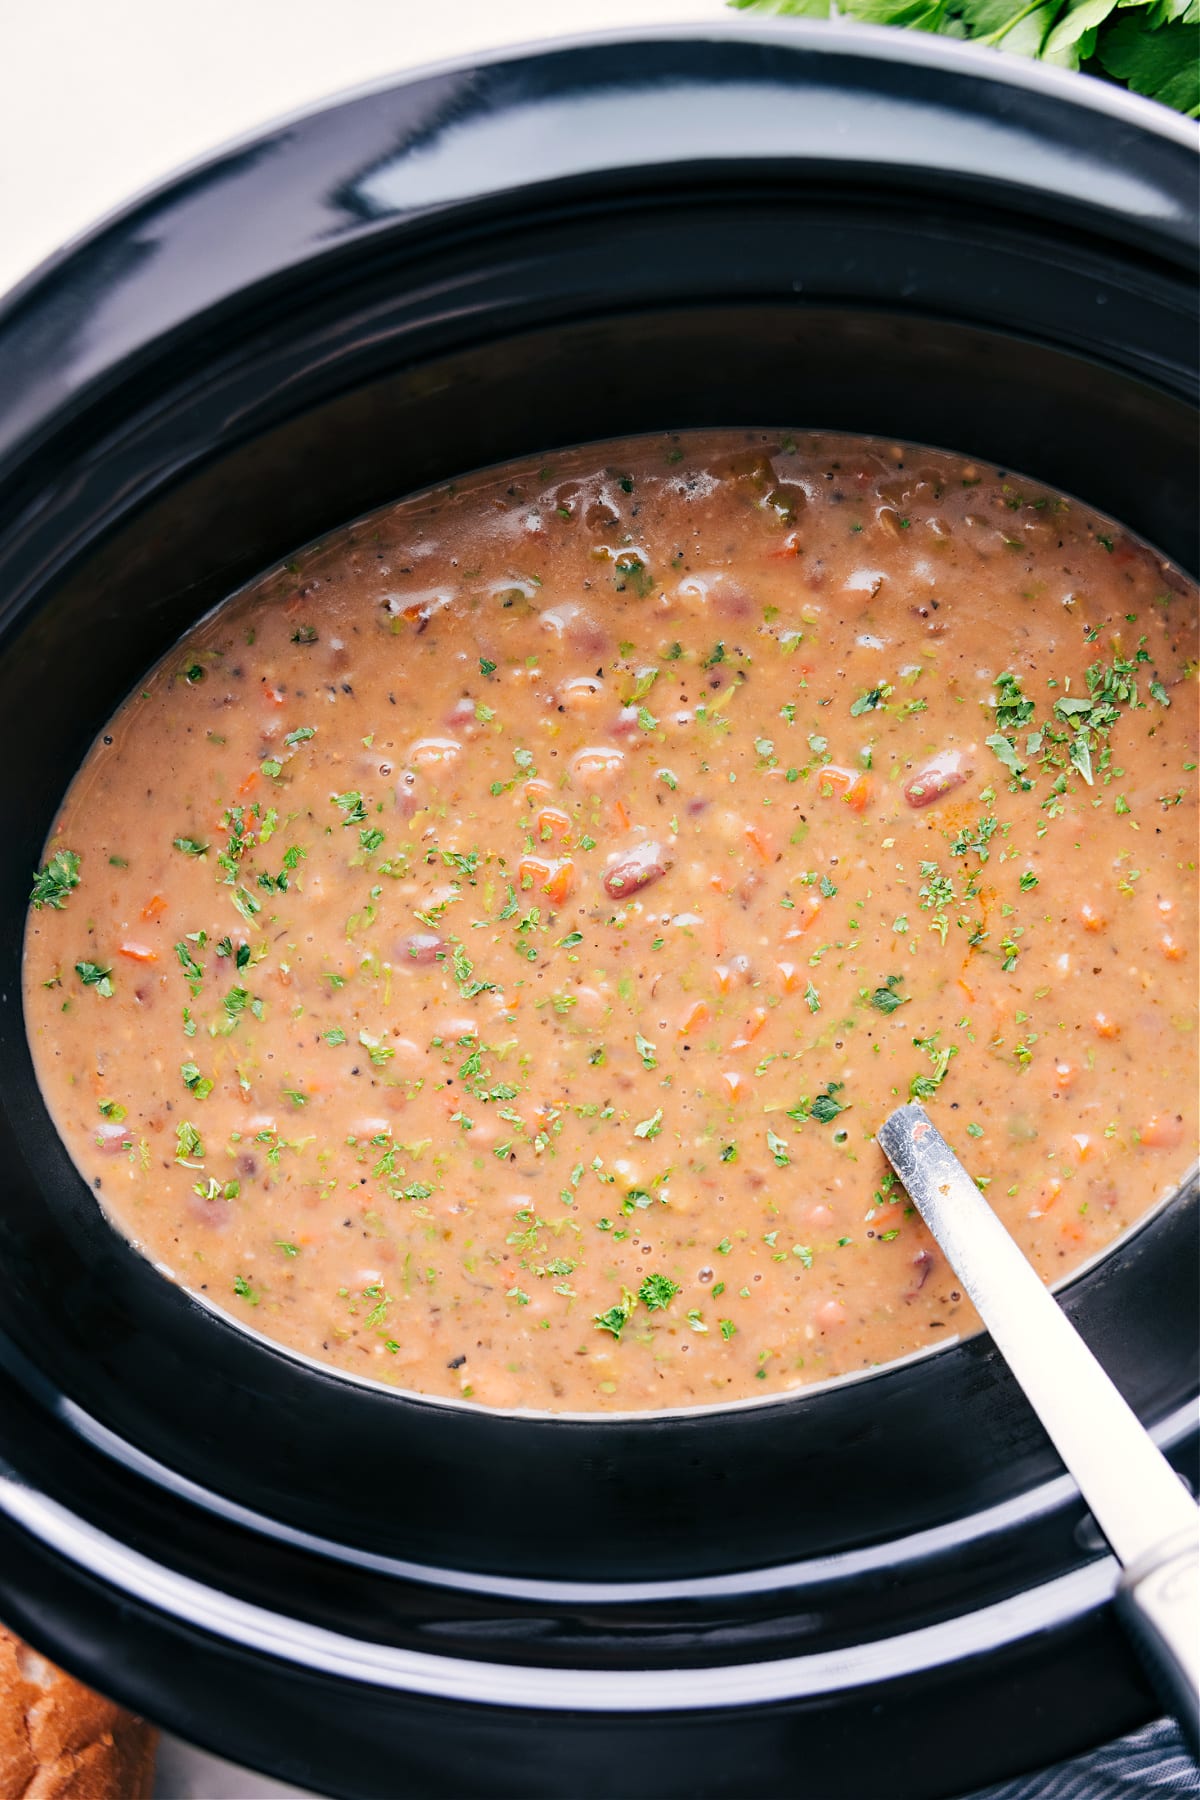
1139, 1502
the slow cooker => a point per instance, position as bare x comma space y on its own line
885, 1585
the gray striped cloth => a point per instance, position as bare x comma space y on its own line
1151, 1764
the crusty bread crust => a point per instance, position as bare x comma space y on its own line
60, 1741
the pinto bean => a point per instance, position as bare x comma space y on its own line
461, 716
596, 767
421, 949
408, 800
937, 778
112, 1138
635, 870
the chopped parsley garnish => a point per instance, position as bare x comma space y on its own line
188, 1142
196, 1084
885, 999
657, 1292
352, 806
464, 974
923, 1087
96, 975
54, 882
379, 1052
824, 1108
869, 700
191, 846
617, 1317
190, 967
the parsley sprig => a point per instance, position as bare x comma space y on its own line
1150, 46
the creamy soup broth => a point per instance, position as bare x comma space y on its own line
480, 954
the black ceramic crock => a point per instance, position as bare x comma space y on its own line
884, 1587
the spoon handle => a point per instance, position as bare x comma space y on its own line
1137, 1499
1159, 1605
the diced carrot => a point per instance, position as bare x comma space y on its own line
733, 1082
718, 882
968, 991
852, 785
276, 696
1171, 948
622, 814
1162, 1131
553, 822
1091, 918
561, 882
248, 784
1063, 1078
139, 952
552, 877
761, 843
802, 919
697, 1014
534, 871
1106, 1027
155, 907
722, 979
789, 974
790, 547
750, 1029
1074, 1230
1084, 1144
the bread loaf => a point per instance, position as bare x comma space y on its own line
60, 1741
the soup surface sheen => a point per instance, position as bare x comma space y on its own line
481, 953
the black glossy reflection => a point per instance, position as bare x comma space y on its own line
301, 331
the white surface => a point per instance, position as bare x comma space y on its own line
98, 101
100, 98
187, 1774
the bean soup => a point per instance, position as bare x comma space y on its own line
479, 955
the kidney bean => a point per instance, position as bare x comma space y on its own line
421, 949
922, 1264
636, 870
937, 778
